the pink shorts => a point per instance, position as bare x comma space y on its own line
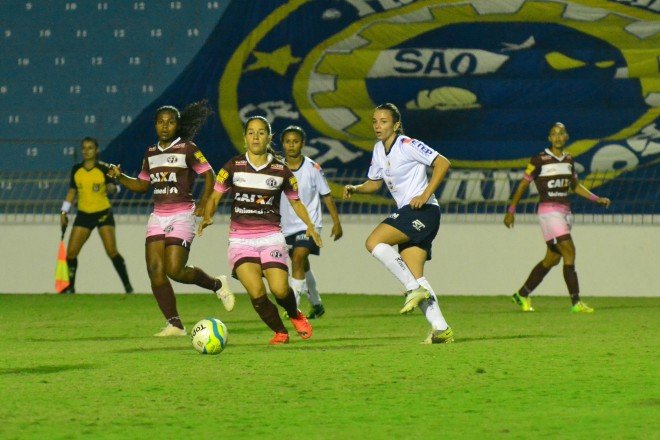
269, 251
556, 221
178, 229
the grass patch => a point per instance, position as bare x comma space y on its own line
87, 366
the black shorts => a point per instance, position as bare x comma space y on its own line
94, 219
420, 225
299, 239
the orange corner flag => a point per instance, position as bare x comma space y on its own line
61, 270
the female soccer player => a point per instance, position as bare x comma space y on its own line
311, 187
401, 162
91, 184
257, 247
171, 166
553, 173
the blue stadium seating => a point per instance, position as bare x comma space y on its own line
90, 71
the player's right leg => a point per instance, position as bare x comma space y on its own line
250, 275
521, 297
161, 286
78, 237
379, 244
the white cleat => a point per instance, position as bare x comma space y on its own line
413, 298
225, 294
170, 330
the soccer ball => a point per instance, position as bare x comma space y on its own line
209, 336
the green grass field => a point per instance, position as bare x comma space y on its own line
87, 366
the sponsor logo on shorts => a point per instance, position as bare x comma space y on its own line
302, 237
394, 215
276, 254
168, 229
418, 225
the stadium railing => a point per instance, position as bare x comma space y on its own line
466, 196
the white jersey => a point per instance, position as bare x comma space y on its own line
311, 186
403, 169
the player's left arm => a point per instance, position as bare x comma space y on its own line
337, 231
301, 211
582, 191
440, 167
209, 181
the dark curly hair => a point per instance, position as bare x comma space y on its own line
190, 120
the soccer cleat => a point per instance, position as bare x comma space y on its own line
69, 290
524, 302
128, 288
302, 325
279, 339
170, 330
580, 307
316, 312
414, 297
225, 294
445, 336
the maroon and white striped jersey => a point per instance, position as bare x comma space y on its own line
255, 210
172, 172
553, 176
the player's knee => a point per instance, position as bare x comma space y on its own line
552, 261
174, 273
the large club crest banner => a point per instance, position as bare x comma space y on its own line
481, 81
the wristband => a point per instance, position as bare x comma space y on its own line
511, 209
593, 197
66, 207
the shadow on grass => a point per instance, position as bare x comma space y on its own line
46, 369
502, 338
152, 349
320, 344
86, 338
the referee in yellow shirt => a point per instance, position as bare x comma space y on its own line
89, 181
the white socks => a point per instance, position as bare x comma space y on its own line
298, 287
393, 262
431, 308
312, 291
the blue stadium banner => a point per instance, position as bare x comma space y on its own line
481, 81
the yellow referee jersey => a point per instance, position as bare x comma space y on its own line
91, 187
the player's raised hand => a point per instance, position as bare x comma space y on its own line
204, 223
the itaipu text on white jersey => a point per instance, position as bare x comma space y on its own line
312, 185
403, 169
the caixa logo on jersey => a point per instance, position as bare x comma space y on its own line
482, 82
